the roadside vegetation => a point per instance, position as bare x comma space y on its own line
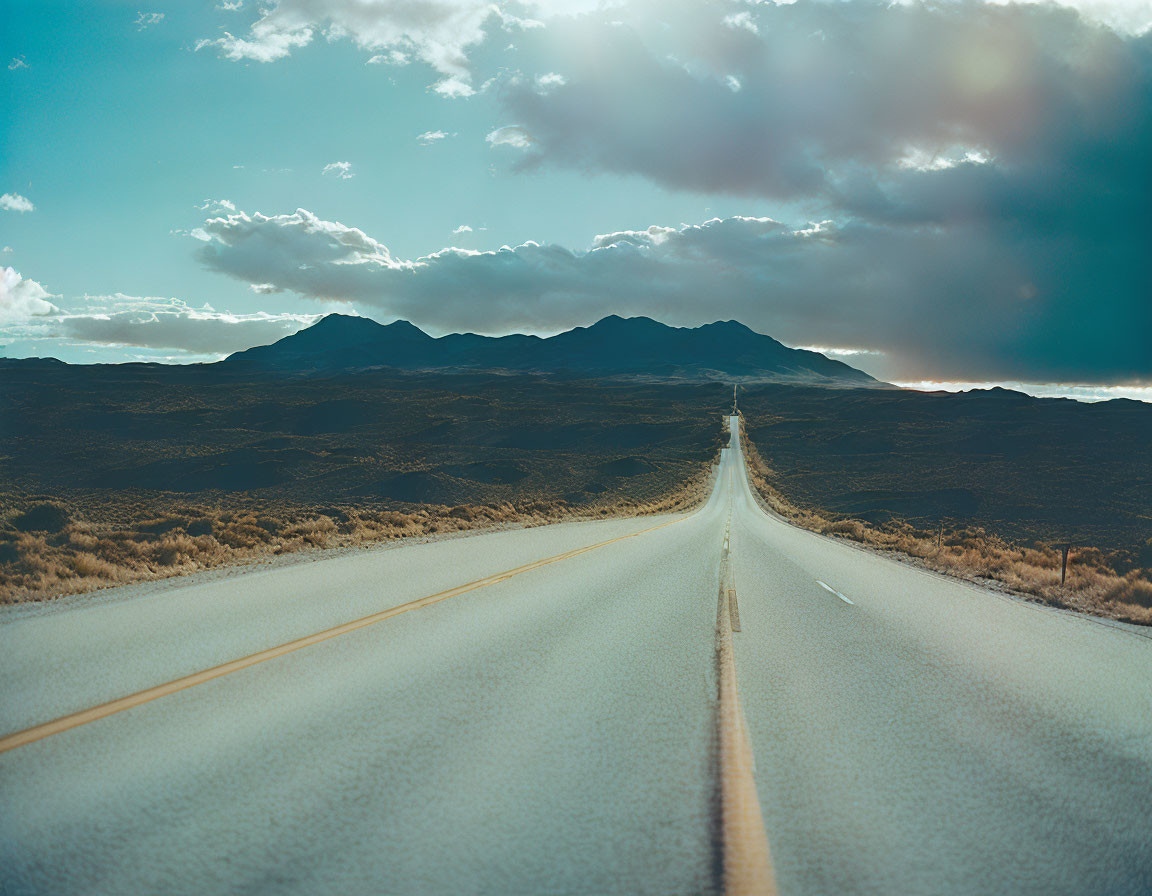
117, 475
996, 517
50, 548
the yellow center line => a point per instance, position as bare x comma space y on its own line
92, 714
747, 860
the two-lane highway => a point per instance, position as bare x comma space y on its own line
557, 730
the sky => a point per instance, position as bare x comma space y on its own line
955, 193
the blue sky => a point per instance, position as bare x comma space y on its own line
962, 224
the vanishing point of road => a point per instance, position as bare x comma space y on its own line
685, 704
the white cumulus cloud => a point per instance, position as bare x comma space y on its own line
14, 202
392, 57
439, 33
22, 299
342, 170
217, 206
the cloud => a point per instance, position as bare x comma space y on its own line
171, 324
392, 57
439, 33
148, 19
21, 300
1126, 16
463, 228
821, 102
977, 165
14, 202
429, 137
144, 322
268, 47
299, 252
342, 170
742, 19
217, 206
17, 63
547, 82
453, 87
936, 304
511, 135
230, 5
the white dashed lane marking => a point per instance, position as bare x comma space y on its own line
828, 587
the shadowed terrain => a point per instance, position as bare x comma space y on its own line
111, 473
983, 484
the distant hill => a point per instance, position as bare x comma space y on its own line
635, 347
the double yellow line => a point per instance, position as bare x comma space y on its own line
65, 723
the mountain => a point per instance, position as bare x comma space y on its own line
635, 347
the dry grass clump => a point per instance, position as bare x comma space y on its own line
1116, 584
50, 548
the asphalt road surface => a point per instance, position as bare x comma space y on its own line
586, 725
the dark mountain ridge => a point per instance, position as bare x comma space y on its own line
637, 347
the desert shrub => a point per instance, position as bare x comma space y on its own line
83, 540
242, 534
851, 528
91, 566
1131, 590
47, 516
315, 531
174, 550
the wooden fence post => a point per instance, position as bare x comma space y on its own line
1064, 549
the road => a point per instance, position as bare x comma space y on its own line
558, 730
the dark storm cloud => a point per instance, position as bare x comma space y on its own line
845, 102
994, 159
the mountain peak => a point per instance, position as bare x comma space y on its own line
732, 326
615, 322
406, 328
342, 321
614, 346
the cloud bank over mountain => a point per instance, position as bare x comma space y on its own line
913, 294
